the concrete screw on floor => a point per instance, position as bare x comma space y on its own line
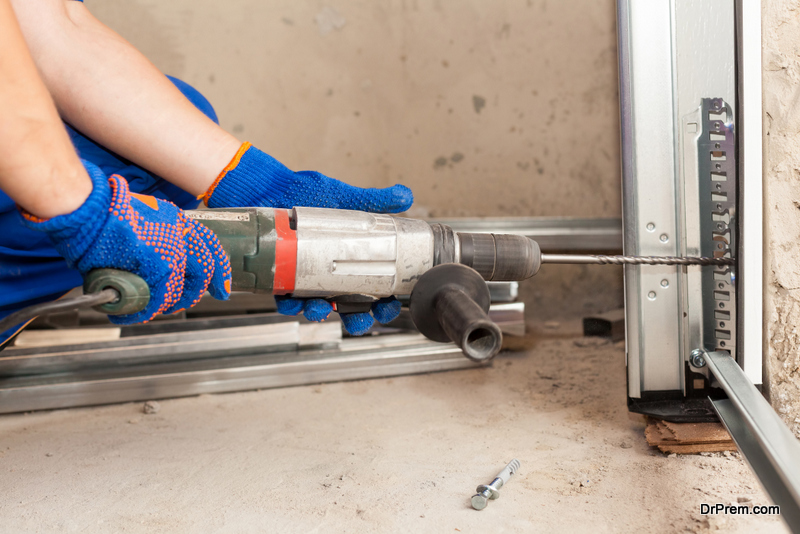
491, 491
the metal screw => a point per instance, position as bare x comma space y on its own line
491, 491
697, 358
664, 238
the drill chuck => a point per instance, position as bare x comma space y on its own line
496, 257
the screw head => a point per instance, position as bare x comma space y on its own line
488, 491
697, 359
479, 502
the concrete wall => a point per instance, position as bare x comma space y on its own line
781, 46
506, 107
483, 108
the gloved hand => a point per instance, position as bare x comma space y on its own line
357, 324
114, 228
254, 178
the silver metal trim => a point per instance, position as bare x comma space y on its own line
551, 233
649, 194
631, 273
765, 441
356, 359
158, 348
673, 53
503, 291
751, 234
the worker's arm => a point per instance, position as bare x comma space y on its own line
94, 221
113, 94
110, 92
39, 169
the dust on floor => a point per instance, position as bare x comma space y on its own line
391, 455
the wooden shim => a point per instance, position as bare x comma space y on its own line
697, 448
688, 438
698, 432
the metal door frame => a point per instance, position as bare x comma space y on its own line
672, 55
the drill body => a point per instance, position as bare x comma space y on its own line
350, 255
353, 258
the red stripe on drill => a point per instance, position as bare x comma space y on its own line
285, 255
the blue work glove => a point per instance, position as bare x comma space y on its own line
384, 311
254, 178
114, 228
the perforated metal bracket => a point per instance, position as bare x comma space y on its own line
716, 151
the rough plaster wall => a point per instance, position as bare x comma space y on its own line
483, 108
781, 56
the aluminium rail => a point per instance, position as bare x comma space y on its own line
767, 444
551, 233
355, 359
242, 356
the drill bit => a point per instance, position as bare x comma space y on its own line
634, 260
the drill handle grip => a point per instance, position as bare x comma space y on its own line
134, 293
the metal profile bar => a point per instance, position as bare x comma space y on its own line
130, 351
356, 359
647, 101
751, 226
552, 233
768, 445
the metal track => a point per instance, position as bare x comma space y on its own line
357, 358
551, 233
128, 352
767, 444
239, 356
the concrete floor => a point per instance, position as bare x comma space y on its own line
391, 455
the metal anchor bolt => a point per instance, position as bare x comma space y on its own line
491, 491
697, 358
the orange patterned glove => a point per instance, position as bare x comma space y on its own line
114, 228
